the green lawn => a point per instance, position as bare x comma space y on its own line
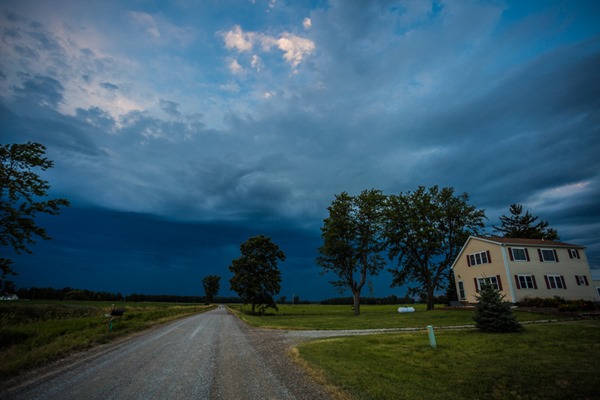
37, 332
546, 361
316, 316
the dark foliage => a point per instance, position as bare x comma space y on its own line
22, 194
256, 278
493, 314
520, 226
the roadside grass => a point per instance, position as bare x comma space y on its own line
333, 317
546, 361
35, 333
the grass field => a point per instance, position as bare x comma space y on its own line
35, 333
316, 316
546, 361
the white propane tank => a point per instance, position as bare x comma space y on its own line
406, 309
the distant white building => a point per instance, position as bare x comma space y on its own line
9, 297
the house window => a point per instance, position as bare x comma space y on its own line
555, 282
479, 258
494, 281
581, 280
518, 254
548, 255
525, 282
461, 290
574, 253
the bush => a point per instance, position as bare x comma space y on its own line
559, 303
540, 302
493, 314
577, 305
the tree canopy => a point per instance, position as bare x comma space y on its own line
352, 240
256, 277
212, 284
524, 226
21, 198
425, 230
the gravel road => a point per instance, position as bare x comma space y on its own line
212, 355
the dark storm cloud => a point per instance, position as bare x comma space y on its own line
42, 90
503, 106
131, 252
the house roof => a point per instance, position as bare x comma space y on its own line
525, 242
515, 242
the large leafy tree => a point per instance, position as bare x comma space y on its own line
524, 226
212, 284
256, 277
352, 240
22, 194
425, 230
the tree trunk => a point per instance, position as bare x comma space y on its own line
356, 295
430, 295
253, 307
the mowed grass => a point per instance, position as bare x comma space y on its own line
317, 316
546, 361
35, 333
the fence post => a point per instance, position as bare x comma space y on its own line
431, 336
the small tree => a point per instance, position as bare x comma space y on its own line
256, 278
520, 226
21, 194
493, 314
212, 284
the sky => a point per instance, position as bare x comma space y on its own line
180, 129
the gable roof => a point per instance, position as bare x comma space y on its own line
514, 242
524, 242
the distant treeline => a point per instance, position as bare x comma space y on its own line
167, 298
68, 293
393, 299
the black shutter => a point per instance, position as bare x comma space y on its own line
562, 279
540, 254
555, 255
527, 254
489, 257
586, 281
517, 281
547, 283
534, 282
510, 254
499, 282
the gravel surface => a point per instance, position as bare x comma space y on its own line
212, 355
